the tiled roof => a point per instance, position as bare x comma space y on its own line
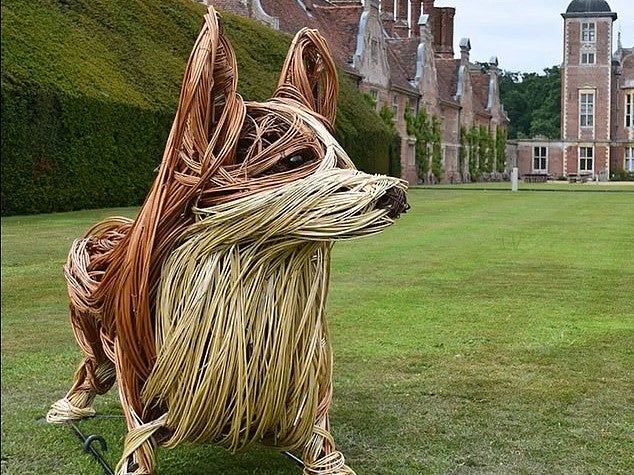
480, 83
627, 59
447, 70
291, 15
232, 7
623, 52
401, 56
338, 24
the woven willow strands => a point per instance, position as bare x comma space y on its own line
209, 307
262, 352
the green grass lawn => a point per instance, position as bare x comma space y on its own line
485, 333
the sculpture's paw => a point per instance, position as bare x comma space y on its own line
332, 464
65, 411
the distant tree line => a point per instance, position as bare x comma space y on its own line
532, 102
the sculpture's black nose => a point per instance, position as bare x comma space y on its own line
394, 200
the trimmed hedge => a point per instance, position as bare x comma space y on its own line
370, 143
89, 91
62, 152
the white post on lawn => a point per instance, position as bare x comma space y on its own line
514, 174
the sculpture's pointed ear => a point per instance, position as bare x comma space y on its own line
309, 74
210, 111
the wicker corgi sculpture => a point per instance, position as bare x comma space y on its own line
207, 310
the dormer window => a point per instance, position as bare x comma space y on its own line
588, 32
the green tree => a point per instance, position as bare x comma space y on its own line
427, 130
473, 153
419, 126
436, 148
532, 102
387, 116
486, 152
463, 153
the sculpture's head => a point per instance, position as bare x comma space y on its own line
283, 148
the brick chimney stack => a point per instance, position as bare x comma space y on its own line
401, 10
387, 8
445, 38
387, 16
416, 7
441, 21
401, 24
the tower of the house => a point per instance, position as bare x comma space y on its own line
586, 87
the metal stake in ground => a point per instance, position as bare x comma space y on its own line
87, 443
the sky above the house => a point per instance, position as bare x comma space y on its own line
525, 35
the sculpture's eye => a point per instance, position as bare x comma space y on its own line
295, 161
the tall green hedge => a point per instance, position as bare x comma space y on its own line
90, 87
62, 152
373, 145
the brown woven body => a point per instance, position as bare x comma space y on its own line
208, 308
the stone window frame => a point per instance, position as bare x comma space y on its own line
374, 94
411, 153
412, 106
589, 57
374, 50
628, 109
586, 156
588, 32
586, 108
540, 159
395, 106
628, 160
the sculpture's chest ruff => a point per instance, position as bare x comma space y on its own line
246, 324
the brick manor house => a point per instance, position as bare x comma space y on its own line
399, 52
597, 102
